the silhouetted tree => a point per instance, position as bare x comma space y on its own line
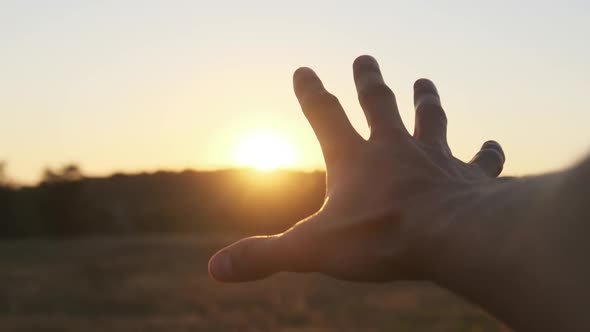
63, 203
67, 203
7, 207
67, 173
4, 179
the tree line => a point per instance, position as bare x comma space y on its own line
67, 203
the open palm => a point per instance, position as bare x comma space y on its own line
384, 195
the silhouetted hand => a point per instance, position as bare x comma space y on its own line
387, 197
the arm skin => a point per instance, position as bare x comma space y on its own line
520, 248
399, 206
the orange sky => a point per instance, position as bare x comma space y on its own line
141, 85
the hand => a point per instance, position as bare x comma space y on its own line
386, 196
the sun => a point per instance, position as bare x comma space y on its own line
264, 152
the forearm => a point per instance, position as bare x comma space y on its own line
517, 248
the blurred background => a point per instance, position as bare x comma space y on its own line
138, 137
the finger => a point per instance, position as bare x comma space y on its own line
258, 257
376, 98
324, 113
490, 158
246, 260
431, 121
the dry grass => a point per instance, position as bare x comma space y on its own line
161, 284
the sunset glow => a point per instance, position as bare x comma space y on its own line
264, 152
140, 86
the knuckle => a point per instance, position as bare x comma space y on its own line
431, 112
338, 154
494, 153
300, 247
321, 99
493, 145
490, 161
490, 156
374, 92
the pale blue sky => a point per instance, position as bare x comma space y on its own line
143, 85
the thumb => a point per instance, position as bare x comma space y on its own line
248, 259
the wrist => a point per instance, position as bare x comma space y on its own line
481, 229
501, 247
434, 224
445, 225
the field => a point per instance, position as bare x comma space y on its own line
161, 284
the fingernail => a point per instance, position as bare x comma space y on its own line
220, 266
306, 82
427, 99
365, 63
425, 93
424, 85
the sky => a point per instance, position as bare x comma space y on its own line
127, 86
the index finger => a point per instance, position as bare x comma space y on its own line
324, 113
